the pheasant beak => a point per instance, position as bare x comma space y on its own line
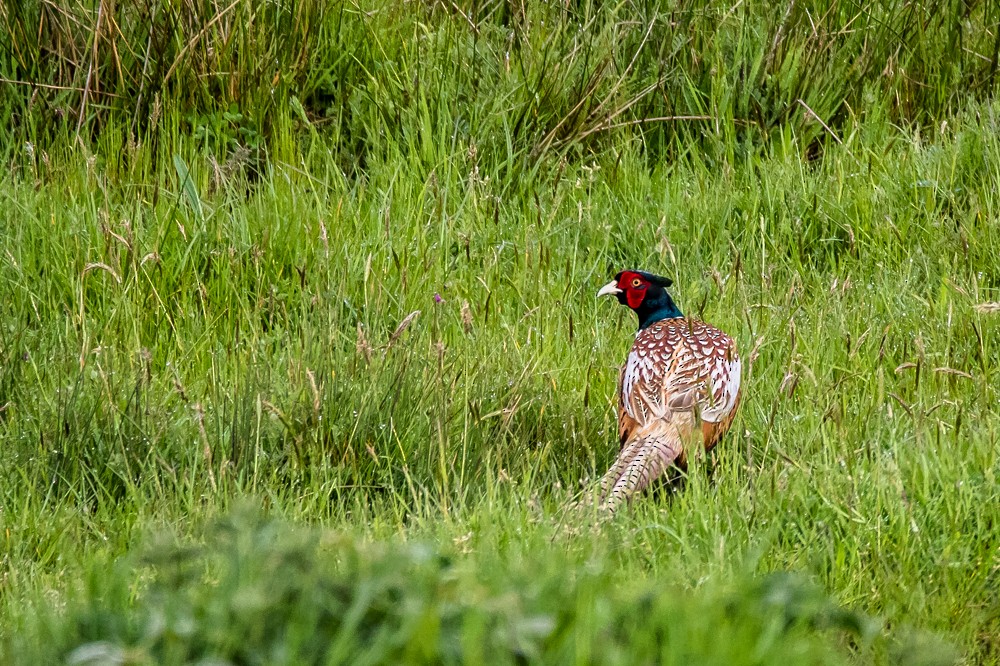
610, 289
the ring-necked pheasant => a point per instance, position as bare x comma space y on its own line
680, 383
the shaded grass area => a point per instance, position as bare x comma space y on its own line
520, 81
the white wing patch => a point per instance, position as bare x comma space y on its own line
638, 369
725, 387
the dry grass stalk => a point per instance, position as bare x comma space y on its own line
403, 325
466, 317
991, 307
362, 346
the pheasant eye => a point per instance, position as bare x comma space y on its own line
636, 282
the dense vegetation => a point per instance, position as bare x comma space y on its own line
300, 356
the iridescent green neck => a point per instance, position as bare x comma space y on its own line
657, 309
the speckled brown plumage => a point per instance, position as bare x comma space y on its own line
680, 384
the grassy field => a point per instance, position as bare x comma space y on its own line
300, 355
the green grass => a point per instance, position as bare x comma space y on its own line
225, 434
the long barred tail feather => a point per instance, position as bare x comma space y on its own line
641, 461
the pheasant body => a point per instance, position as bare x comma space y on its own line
680, 384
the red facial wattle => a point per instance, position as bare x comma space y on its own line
634, 288
634, 296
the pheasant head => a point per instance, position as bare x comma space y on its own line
646, 294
